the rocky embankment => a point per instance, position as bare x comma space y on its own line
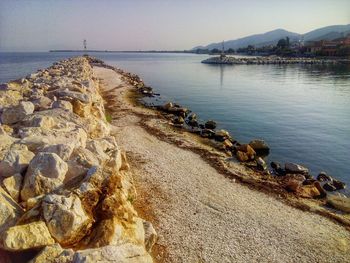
230, 60
66, 190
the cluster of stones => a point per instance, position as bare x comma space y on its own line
230, 60
293, 177
65, 190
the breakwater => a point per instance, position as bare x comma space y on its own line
66, 191
271, 60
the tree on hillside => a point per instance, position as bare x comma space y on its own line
282, 43
230, 51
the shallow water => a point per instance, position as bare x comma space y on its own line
302, 112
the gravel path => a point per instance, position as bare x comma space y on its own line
201, 216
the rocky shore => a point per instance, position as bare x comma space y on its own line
270, 60
290, 179
66, 191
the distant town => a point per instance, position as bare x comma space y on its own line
339, 47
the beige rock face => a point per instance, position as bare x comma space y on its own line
17, 113
126, 253
54, 254
16, 160
62, 150
10, 211
13, 185
45, 173
63, 104
65, 218
22, 237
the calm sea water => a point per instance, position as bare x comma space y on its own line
302, 112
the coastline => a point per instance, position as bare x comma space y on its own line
154, 126
205, 208
219, 158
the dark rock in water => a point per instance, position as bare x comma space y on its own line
201, 126
193, 116
338, 184
221, 135
260, 146
322, 177
294, 168
210, 124
275, 165
193, 123
207, 133
329, 187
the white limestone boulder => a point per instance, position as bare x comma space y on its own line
15, 160
10, 211
13, 185
17, 113
65, 217
45, 173
22, 237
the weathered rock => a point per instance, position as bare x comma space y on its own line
41, 103
13, 185
54, 254
221, 135
150, 235
292, 182
339, 202
323, 176
242, 156
45, 173
338, 184
22, 237
63, 104
210, 125
66, 218
260, 146
207, 133
10, 211
309, 191
179, 120
329, 187
296, 168
17, 113
249, 152
125, 253
16, 160
64, 151
42, 121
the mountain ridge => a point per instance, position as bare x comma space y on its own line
272, 37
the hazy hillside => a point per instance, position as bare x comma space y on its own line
272, 37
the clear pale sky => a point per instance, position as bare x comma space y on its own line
155, 24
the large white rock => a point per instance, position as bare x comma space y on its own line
17, 113
125, 253
22, 237
65, 218
45, 173
10, 211
16, 160
62, 150
13, 185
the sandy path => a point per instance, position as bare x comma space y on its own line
201, 216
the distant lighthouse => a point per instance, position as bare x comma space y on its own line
84, 44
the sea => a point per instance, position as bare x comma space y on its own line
301, 111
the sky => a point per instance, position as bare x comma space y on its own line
155, 24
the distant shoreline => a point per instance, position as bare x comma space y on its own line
125, 51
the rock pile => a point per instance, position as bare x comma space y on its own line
65, 190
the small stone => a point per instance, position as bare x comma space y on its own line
16, 160
322, 177
63, 104
28, 236
329, 187
13, 185
296, 168
210, 125
150, 235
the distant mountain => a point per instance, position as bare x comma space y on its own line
272, 37
328, 32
